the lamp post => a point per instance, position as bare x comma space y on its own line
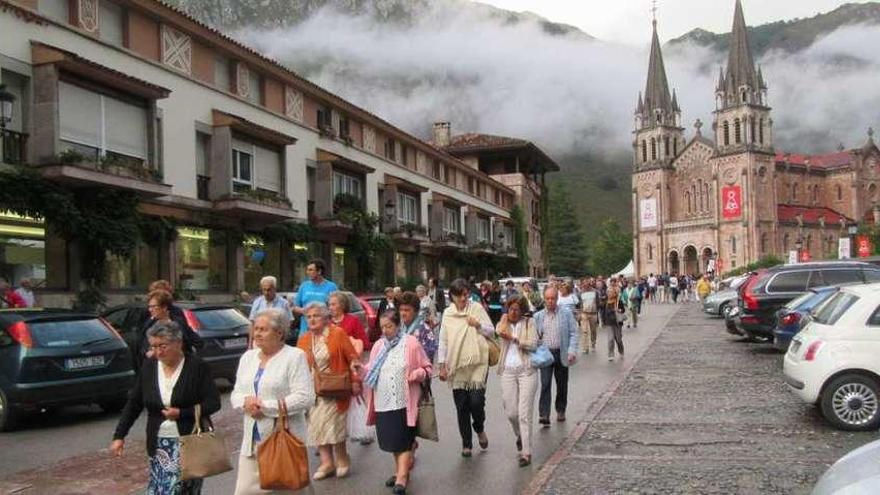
390, 210
799, 245
501, 240
7, 108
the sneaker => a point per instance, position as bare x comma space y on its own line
610, 358
544, 421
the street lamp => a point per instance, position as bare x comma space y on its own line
798, 246
390, 210
7, 107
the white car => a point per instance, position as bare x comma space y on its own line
834, 361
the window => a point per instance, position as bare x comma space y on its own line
347, 184
644, 151
737, 131
111, 18
324, 118
255, 87
390, 149
752, 130
481, 189
404, 155
700, 193
653, 149
98, 125
471, 185
843, 276
407, 208
834, 308
687, 198
203, 167
56, 9
261, 258
436, 170
761, 131
815, 194
242, 170
650, 251
344, 127
666, 146
764, 243
795, 281
674, 146
794, 192
733, 244
221, 72
451, 220
134, 272
201, 259
839, 193
726, 129
497, 197
483, 229
871, 276
22, 248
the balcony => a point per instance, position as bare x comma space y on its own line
14, 146
450, 241
481, 247
79, 169
409, 234
257, 205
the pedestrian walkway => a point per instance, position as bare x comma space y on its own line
700, 413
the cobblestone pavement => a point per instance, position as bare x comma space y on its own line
700, 413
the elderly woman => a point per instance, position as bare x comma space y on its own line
169, 388
519, 381
339, 306
269, 373
427, 311
398, 365
329, 350
463, 357
160, 308
412, 323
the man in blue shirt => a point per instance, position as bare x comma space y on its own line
316, 288
269, 299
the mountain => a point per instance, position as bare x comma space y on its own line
789, 36
235, 14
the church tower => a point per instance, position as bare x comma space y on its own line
658, 132
742, 114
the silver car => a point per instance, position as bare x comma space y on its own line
856, 473
722, 301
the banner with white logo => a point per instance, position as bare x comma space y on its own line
648, 213
844, 248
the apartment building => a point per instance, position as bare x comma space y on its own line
138, 96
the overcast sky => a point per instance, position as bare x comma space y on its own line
628, 21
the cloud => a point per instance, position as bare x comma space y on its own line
569, 94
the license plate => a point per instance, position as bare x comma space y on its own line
235, 343
83, 362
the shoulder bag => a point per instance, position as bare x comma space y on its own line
330, 384
494, 351
282, 458
426, 424
203, 453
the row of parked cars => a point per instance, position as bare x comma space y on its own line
825, 317
52, 358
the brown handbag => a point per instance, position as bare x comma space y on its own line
282, 457
330, 384
203, 453
494, 351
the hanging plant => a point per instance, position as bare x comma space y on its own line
155, 230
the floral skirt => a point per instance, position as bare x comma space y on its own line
165, 471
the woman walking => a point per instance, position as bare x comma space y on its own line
632, 297
411, 323
269, 373
610, 319
427, 312
340, 316
398, 365
519, 381
463, 357
169, 388
356, 425
329, 350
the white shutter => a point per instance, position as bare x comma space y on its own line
110, 19
79, 112
268, 163
126, 128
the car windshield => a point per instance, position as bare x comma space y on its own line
65, 333
834, 308
220, 318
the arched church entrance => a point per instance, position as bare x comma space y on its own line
691, 264
674, 262
704, 259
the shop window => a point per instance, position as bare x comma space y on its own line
22, 249
202, 259
134, 272
338, 266
260, 259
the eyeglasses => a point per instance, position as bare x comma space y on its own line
160, 347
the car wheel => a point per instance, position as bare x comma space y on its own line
724, 310
852, 402
113, 405
7, 414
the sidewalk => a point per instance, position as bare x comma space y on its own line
700, 413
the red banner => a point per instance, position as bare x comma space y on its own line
805, 256
731, 201
864, 247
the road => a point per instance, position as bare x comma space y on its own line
69, 446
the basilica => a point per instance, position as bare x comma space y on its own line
726, 197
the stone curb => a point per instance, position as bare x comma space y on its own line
546, 472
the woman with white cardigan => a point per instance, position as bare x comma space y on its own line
269, 372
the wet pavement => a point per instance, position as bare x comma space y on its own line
72, 456
701, 412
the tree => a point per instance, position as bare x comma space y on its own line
566, 248
612, 249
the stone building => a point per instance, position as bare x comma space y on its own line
729, 198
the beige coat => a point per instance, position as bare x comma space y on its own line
528, 342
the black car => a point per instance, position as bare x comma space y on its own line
223, 329
51, 358
769, 290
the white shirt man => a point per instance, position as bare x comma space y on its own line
269, 299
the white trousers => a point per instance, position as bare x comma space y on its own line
518, 389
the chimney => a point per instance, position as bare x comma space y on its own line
442, 134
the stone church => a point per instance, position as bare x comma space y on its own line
727, 197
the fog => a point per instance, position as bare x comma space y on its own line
567, 93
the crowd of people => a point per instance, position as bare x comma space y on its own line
339, 384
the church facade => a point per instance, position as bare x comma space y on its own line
726, 197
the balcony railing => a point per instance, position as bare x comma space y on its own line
13, 146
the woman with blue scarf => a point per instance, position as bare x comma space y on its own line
398, 365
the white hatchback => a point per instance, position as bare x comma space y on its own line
834, 361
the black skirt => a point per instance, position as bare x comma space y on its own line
393, 433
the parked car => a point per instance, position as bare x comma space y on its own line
222, 327
833, 361
59, 357
370, 303
761, 296
720, 302
792, 317
856, 473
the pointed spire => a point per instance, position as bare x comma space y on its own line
870, 142
720, 86
761, 84
740, 64
675, 107
657, 87
640, 108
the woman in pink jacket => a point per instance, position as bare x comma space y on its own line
398, 366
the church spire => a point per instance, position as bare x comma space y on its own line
740, 64
657, 95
